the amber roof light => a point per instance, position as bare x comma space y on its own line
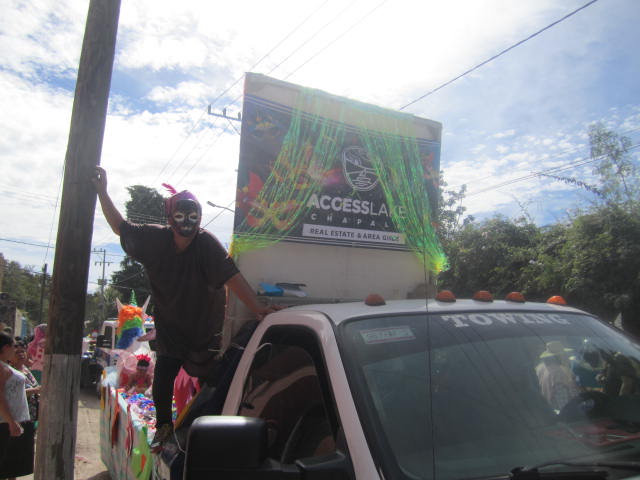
515, 297
374, 300
557, 300
445, 296
483, 296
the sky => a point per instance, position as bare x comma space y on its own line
527, 110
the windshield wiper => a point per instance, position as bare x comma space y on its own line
533, 473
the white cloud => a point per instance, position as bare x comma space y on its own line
508, 133
186, 93
530, 107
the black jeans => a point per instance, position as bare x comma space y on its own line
164, 374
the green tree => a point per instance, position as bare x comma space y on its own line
601, 264
451, 211
616, 171
24, 286
146, 205
98, 308
544, 276
492, 255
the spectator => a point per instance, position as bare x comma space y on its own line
557, 382
32, 386
36, 351
16, 428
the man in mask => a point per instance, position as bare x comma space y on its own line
188, 269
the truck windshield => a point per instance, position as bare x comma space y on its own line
477, 394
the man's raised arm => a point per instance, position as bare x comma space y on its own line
111, 213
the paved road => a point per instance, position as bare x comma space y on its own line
88, 465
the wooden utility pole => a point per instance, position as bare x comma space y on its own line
55, 447
43, 285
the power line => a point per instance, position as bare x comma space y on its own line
499, 54
578, 163
269, 53
313, 35
233, 85
337, 38
226, 129
46, 246
55, 209
193, 127
28, 196
24, 243
220, 213
564, 152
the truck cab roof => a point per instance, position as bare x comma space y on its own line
339, 312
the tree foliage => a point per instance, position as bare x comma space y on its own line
451, 212
24, 286
146, 205
593, 260
601, 260
492, 255
618, 175
98, 309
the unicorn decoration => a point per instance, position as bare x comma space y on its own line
130, 323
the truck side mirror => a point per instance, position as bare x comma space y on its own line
237, 447
226, 447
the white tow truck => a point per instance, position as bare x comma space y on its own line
419, 389
335, 196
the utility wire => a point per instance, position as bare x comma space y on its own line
220, 213
221, 95
55, 209
337, 38
499, 54
47, 246
576, 164
312, 36
24, 243
226, 129
562, 153
269, 52
193, 127
202, 136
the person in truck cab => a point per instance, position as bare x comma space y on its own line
187, 268
557, 382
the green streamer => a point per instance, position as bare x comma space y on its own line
309, 149
398, 165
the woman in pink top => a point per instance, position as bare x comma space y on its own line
36, 351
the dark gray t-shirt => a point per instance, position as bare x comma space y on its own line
187, 287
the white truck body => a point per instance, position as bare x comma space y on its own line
497, 418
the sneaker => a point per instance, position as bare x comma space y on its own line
162, 434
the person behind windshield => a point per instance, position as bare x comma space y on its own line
557, 383
588, 367
619, 376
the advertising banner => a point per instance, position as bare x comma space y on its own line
317, 168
